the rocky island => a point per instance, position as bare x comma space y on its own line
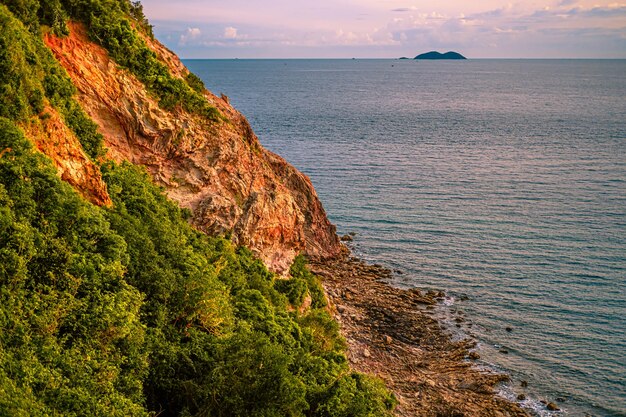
434, 55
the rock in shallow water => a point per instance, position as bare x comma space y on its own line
552, 407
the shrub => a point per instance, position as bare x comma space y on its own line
112, 24
299, 271
72, 340
295, 289
357, 395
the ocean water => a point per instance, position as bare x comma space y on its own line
503, 181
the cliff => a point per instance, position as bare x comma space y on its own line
111, 302
218, 170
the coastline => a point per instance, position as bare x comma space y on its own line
392, 333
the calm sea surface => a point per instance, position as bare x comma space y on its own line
504, 181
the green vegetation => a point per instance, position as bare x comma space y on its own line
72, 341
30, 77
302, 284
128, 310
114, 24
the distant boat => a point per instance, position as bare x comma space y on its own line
439, 55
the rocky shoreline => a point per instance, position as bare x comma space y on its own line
392, 334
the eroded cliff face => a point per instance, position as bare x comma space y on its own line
53, 138
218, 170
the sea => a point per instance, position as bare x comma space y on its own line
501, 182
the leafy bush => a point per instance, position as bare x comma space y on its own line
26, 11
21, 91
220, 334
52, 14
195, 82
295, 289
72, 341
356, 395
299, 271
112, 24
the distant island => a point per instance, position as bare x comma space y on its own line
439, 55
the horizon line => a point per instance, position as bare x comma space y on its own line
401, 59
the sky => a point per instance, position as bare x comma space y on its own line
389, 28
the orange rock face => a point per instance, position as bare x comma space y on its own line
53, 138
218, 170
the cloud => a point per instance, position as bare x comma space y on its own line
506, 29
516, 29
189, 35
230, 33
545, 12
604, 12
578, 14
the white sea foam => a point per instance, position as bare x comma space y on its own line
448, 301
535, 406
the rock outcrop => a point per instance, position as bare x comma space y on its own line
53, 138
217, 170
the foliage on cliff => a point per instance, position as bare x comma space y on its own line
113, 24
128, 310
30, 76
